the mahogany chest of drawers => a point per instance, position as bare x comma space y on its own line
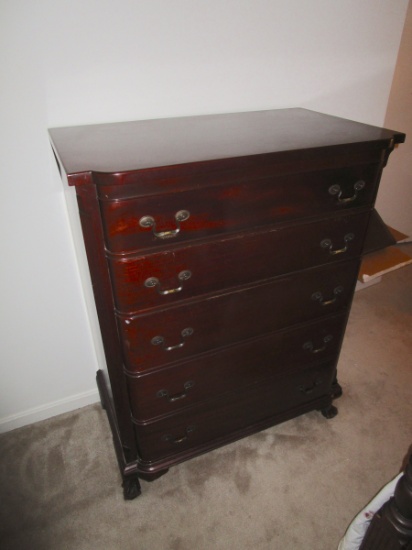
223, 253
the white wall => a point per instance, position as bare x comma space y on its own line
83, 61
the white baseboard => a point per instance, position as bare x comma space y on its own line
43, 412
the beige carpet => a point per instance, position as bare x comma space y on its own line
295, 486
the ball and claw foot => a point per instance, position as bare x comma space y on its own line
329, 412
131, 487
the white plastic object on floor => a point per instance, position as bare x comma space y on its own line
357, 529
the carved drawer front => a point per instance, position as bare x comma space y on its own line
157, 220
190, 328
207, 376
210, 420
162, 278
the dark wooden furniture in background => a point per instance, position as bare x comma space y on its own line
391, 526
224, 253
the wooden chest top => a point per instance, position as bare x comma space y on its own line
131, 146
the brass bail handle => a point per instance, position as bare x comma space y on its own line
178, 396
310, 389
177, 440
318, 296
327, 244
149, 222
153, 282
160, 341
308, 346
337, 190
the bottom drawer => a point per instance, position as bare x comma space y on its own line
215, 419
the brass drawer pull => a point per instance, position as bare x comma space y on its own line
149, 221
153, 282
336, 190
318, 296
177, 396
308, 346
328, 245
160, 341
176, 440
310, 389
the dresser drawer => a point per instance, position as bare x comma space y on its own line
170, 389
208, 421
158, 220
161, 278
172, 334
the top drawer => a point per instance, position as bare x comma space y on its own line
152, 221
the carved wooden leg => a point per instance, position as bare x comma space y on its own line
131, 487
131, 484
391, 527
329, 412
